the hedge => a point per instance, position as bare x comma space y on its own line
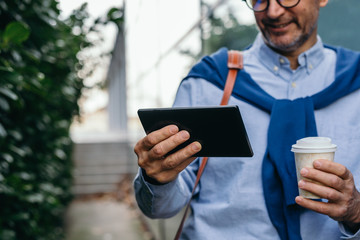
39, 90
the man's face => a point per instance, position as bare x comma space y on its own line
288, 29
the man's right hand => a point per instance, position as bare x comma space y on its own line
152, 152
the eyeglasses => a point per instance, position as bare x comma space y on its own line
262, 5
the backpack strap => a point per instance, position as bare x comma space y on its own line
235, 63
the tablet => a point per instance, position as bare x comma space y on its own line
219, 129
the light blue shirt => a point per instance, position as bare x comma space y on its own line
229, 202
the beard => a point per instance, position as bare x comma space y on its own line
290, 45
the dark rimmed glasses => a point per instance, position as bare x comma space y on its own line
262, 5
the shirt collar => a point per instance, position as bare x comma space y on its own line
309, 59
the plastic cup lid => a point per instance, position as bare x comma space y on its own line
313, 145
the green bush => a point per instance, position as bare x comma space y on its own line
39, 90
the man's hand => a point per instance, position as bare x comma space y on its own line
152, 152
339, 189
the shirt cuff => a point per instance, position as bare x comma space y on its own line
150, 179
347, 234
155, 187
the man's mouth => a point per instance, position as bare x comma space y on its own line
282, 25
278, 28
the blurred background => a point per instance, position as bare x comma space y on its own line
73, 75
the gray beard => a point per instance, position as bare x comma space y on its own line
299, 41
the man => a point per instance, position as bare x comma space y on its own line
291, 67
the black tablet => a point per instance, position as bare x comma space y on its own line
219, 129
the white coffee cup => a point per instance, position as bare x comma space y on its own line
307, 150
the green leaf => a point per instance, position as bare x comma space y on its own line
116, 15
4, 105
3, 132
16, 135
35, 198
6, 69
8, 157
7, 234
16, 32
17, 150
8, 93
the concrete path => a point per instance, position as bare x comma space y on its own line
103, 219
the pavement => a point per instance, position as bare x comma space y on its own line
115, 216
104, 218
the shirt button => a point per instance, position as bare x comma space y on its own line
293, 84
310, 66
276, 68
282, 61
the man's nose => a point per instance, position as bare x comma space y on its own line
274, 9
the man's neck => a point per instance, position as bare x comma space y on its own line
293, 55
293, 59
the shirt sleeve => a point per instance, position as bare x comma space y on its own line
163, 201
347, 234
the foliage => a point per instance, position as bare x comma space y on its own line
39, 90
226, 31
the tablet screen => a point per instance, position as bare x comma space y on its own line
219, 129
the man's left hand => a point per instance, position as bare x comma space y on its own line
339, 189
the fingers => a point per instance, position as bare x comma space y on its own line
169, 167
325, 178
331, 174
155, 137
332, 167
163, 147
153, 150
339, 212
329, 209
143, 146
178, 160
322, 191
334, 182
332, 208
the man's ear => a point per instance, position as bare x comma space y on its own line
323, 3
